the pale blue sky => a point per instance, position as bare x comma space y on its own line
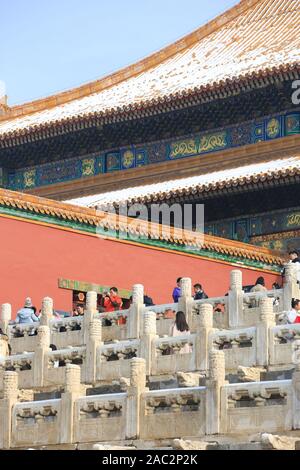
50, 46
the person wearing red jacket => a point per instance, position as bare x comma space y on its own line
112, 301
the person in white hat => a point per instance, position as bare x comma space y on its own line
27, 313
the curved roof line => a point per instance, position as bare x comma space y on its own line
132, 70
87, 216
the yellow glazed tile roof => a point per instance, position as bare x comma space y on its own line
254, 38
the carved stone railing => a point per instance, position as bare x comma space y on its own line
239, 346
173, 354
20, 330
165, 316
100, 418
284, 342
57, 361
66, 356
217, 408
253, 407
113, 360
17, 363
220, 309
114, 325
36, 423
173, 413
262, 346
23, 364
230, 312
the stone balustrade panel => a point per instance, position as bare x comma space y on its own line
113, 361
57, 363
67, 332
239, 347
283, 340
114, 332
171, 355
100, 418
253, 407
23, 365
220, 309
36, 423
167, 414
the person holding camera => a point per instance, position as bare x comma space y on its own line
112, 301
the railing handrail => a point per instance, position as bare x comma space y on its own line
221, 300
165, 392
116, 313
37, 403
268, 293
269, 383
107, 397
175, 339
120, 344
235, 332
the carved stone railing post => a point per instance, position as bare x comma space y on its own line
296, 385
10, 398
214, 385
94, 342
148, 336
68, 399
135, 316
5, 317
47, 311
263, 331
40, 358
186, 300
290, 287
235, 298
89, 314
204, 327
134, 392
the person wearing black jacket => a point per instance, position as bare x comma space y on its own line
148, 301
199, 292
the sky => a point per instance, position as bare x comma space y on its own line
52, 46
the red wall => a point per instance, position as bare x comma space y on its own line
33, 257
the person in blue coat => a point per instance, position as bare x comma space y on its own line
27, 313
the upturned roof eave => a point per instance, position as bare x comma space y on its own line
167, 103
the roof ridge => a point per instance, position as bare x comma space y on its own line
132, 70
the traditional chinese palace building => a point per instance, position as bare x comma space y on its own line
210, 119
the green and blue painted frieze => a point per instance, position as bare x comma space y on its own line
135, 156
